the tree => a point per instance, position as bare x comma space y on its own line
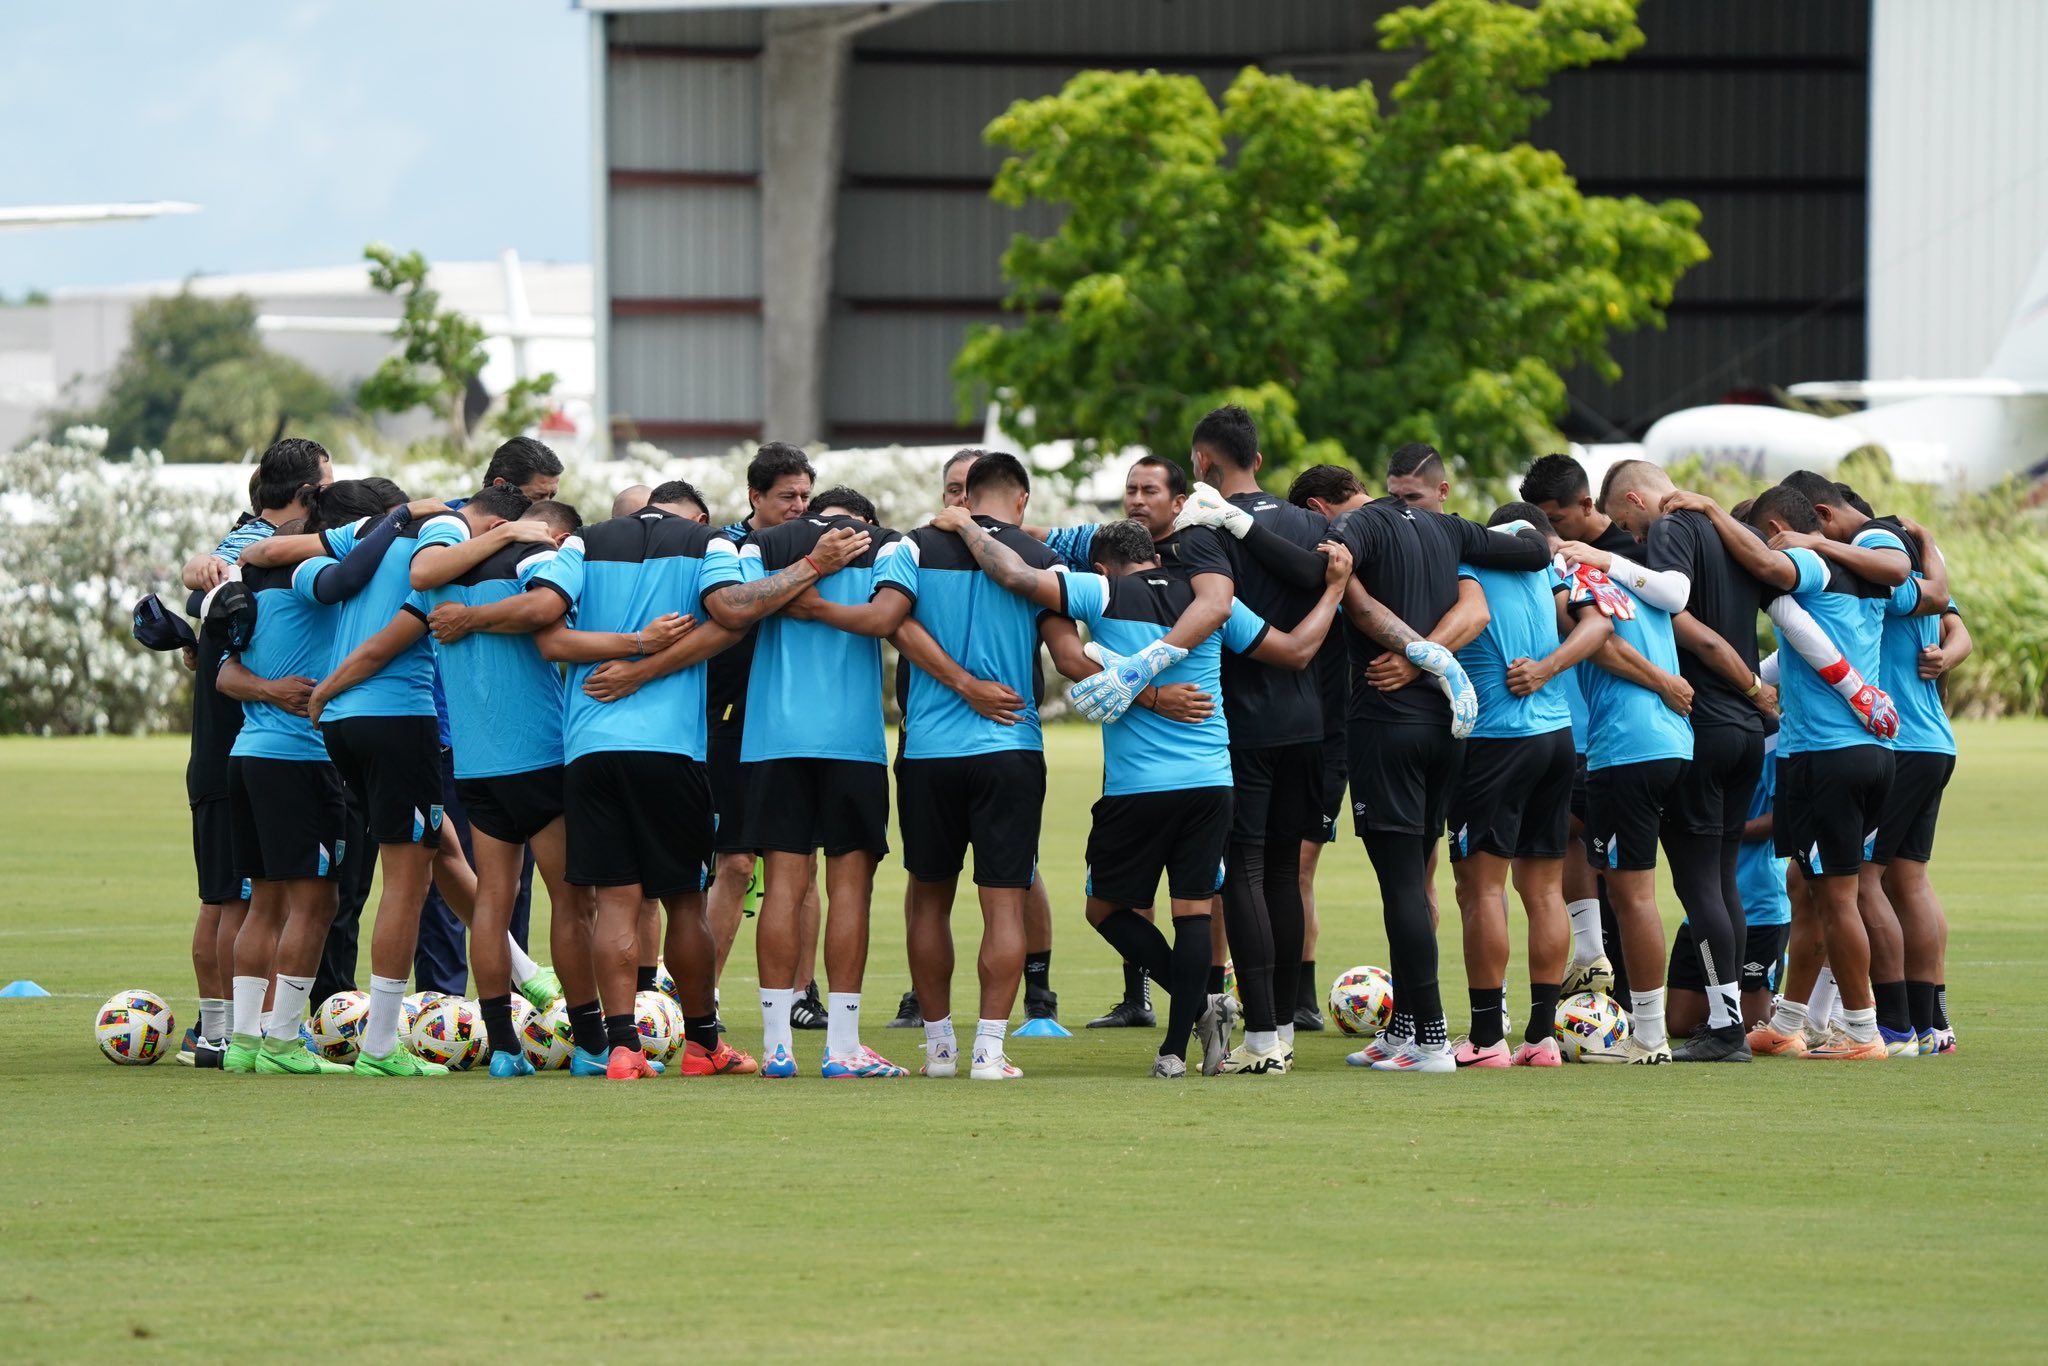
241, 405
1356, 277
171, 342
441, 353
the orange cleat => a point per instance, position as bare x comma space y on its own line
1839, 1047
628, 1064
722, 1061
1764, 1039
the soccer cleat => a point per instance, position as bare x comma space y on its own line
993, 1067
586, 1064
241, 1056
865, 1064
1944, 1041
542, 989
1543, 1053
629, 1064
1726, 1044
1245, 1060
208, 1053
1125, 1015
722, 1061
780, 1064
1169, 1067
399, 1062
1929, 1041
1899, 1043
1308, 1020
285, 1057
1630, 1050
1469, 1054
807, 1011
1413, 1057
941, 1058
1379, 1050
1840, 1047
1041, 1003
188, 1048
510, 1065
908, 1016
1214, 1028
1764, 1041
1597, 975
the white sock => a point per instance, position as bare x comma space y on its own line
380, 1031
213, 1018
1646, 1016
292, 994
1587, 943
1262, 1040
1861, 1025
775, 1004
1790, 1017
842, 1023
1287, 1035
249, 1005
938, 1034
988, 1038
524, 969
1827, 994
1724, 1004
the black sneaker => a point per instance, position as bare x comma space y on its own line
1126, 1015
1041, 1004
1308, 1020
206, 1053
907, 1014
1730, 1043
807, 1011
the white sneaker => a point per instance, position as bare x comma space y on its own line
1414, 1057
1169, 1067
1214, 1026
1597, 975
1379, 1050
1245, 1059
993, 1067
941, 1059
1629, 1050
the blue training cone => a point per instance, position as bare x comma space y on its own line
1041, 1029
23, 987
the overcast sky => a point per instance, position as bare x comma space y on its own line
304, 129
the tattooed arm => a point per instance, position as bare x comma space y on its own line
736, 606
1001, 563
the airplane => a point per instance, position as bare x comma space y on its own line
1965, 433
50, 215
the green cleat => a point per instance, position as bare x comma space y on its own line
242, 1052
542, 989
399, 1062
288, 1057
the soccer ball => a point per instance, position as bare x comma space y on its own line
412, 1007
1362, 1000
451, 1032
1589, 1020
336, 1031
664, 982
134, 1027
661, 1024
545, 1038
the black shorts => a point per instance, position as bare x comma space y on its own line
393, 765
1906, 829
636, 817
513, 807
1829, 804
799, 806
1712, 797
1278, 792
1137, 837
1762, 954
213, 853
1514, 797
991, 801
1402, 777
290, 818
728, 793
1625, 807
1336, 766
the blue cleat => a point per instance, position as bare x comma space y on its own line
510, 1065
582, 1064
779, 1063
1899, 1043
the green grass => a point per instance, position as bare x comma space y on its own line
1085, 1213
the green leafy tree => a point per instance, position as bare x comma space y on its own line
241, 405
171, 342
1357, 277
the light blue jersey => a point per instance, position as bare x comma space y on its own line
1629, 723
1523, 625
505, 701
1851, 611
405, 685
292, 640
1923, 721
1759, 872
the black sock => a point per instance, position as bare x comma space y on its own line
1038, 971
1401, 1029
702, 1030
1920, 1005
1143, 948
1215, 979
1892, 1011
621, 1032
1134, 976
1308, 997
1941, 1005
1188, 974
645, 980
1489, 1015
586, 1027
1542, 1012
497, 1012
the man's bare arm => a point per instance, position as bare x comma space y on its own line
1005, 565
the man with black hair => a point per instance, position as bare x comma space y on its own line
527, 466
680, 494
1416, 475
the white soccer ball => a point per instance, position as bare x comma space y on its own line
664, 981
451, 1032
546, 1039
412, 1007
1362, 1000
336, 1029
135, 1028
1589, 1019
661, 1024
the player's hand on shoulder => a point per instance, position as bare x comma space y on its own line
1206, 507
530, 532
953, 519
839, 548
1685, 500
1797, 540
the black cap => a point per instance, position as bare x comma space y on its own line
157, 627
228, 616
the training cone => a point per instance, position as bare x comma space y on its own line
22, 987
1041, 1029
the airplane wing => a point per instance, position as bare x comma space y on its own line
48, 215
1884, 390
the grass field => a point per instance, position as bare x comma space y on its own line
1088, 1212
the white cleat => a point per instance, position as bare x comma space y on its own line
1629, 1050
1169, 1067
1214, 1026
1244, 1060
993, 1067
1415, 1057
1379, 1050
941, 1059
1597, 975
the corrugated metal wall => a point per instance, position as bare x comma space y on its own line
1754, 109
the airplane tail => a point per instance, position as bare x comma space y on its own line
2023, 351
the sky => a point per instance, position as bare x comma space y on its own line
304, 129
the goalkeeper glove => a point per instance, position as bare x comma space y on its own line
1106, 696
1873, 705
1206, 507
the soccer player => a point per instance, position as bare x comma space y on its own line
1766, 912
1906, 878
1416, 476
1166, 786
1511, 807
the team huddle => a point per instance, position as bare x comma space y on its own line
649, 710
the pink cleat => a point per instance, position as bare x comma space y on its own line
1468, 1054
1543, 1054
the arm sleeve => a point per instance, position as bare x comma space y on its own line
1798, 629
1243, 629
1282, 558
1527, 550
346, 579
1767, 668
1073, 544
1665, 588
1083, 596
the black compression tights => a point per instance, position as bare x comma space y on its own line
1248, 924
1717, 926
1401, 863
1290, 922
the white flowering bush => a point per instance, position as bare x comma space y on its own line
80, 540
